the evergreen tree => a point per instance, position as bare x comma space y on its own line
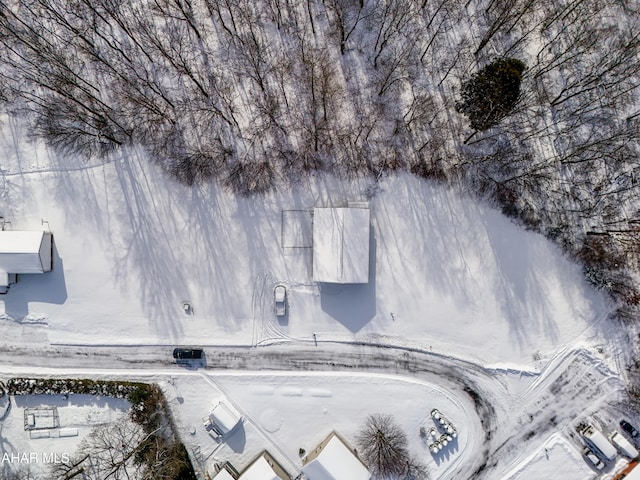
490, 94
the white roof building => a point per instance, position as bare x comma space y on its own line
341, 245
634, 473
334, 460
261, 469
24, 252
223, 475
224, 417
264, 467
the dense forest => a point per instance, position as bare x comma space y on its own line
530, 104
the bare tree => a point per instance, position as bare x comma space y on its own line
383, 447
504, 16
250, 177
416, 470
389, 19
109, 451
10, 472
345, 16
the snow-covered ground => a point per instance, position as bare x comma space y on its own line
449, 276
447, 273
36, 446
285, 412
557, 455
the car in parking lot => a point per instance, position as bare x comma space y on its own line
629, 429
280, 294
187, 353
593, 459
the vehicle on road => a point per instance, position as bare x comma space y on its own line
593, 459
280, 293
629, 429
187, 353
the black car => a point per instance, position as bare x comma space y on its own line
629, 429
187, 353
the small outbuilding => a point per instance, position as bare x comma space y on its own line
222, 418
334, 460
24, 252
341, 245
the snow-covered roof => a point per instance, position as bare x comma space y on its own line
259, 470
223, 475
25, 251
336, 462
225, 417
633, 474
341, 245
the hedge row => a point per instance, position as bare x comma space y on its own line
50, 386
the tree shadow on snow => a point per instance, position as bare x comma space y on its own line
149, 248
353, 305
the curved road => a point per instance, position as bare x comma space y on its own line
478, 387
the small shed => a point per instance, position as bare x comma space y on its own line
24, 252
334, 460
224, 418
341, 245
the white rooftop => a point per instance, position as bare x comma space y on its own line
633, 474
225, 417
259, 470
341, 245
25, 251
336, 462
223, 475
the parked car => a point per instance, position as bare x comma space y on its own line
629, 429
593, 459
280, 293
187, 353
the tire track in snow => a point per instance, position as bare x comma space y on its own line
495, 438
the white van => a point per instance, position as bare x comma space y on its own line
623, 445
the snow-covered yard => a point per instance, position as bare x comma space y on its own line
289, 411
447, 273
60, 422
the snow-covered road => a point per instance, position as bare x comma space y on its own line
511, 407
451, 279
